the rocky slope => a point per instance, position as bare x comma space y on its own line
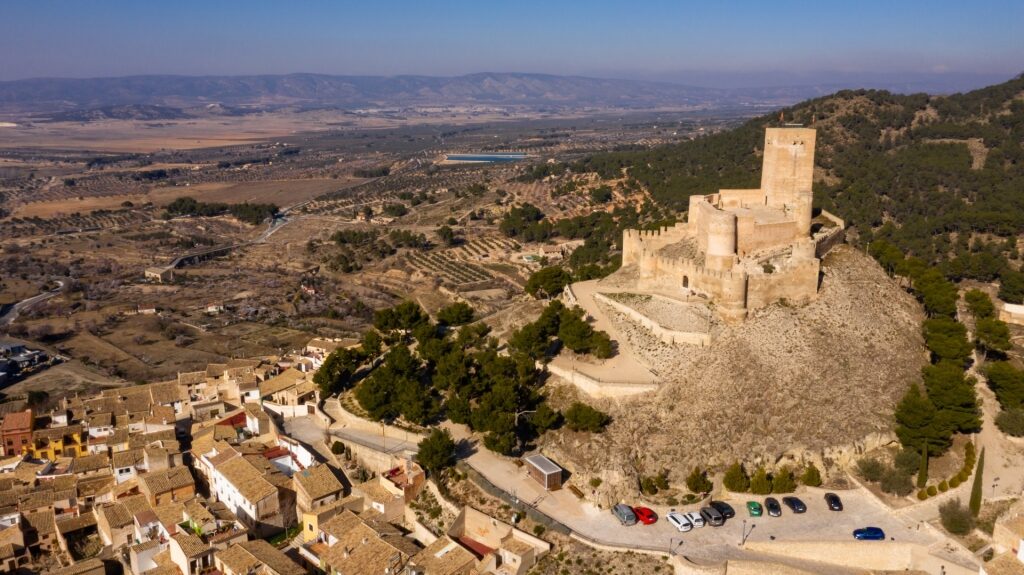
788, 380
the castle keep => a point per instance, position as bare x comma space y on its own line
744, 249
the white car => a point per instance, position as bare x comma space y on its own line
695, 518
679, 521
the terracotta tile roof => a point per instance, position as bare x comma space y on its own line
317, 481
95, 486
286, 379
363, 550
246, 557
191, 545
135, 504
86, 566
115, 514
17, 421
88, 463
71, 524
248, 480
170, 515
130, 458
167, 480
41, 521
198, 512
444, 557
192, 378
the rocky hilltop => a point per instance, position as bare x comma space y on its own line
787, 380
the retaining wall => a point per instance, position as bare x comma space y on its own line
664, 334
599, 388
352, 421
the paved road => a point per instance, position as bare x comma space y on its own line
12, 313
375, 441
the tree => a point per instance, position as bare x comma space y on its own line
759, 483
458, 313
979, 304
698, 482
1007, 382
895, 482
736, 478
446, 235
917, 423
405, 316
947, 339
953, 396
545, 418
582, 417
811, 476
337, 371
908, 461
975, 502
956, 518
1011, 422
547, 282
436, 451
922, 471
783, 482
871, 469
992, 336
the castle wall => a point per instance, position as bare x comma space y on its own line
732, 199
752, 237
634, 242
788, 164
795, 282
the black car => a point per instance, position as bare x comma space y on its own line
833, 501
724, 508
794, 504
773, 507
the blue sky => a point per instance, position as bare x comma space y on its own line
703, 42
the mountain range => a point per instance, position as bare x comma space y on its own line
152, 97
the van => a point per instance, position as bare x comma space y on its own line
624, 513
712, 517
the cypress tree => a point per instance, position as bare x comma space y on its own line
976, 486
922, 471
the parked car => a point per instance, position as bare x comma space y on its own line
695, 518
724, 508
754, 508
833, 501
679, 521
624, 513
794, 504
774, 509
869, 534
645, 515
712, 517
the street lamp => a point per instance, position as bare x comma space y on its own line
743, 532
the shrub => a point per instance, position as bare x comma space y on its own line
896, 482
538, 530
698, 481
811, 476
975, 501
648, 487
582, 417
759, 483
922, 494
871, 469
736, 478
436, 451
932, 491
595, 482
956, 518
1011, 422
783, 482
943, 486
337, 448
955, 482
907, 461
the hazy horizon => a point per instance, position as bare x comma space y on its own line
744, 45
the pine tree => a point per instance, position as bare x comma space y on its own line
922, 471
698, 481
759, 483
782, 482
917, 423
975, 503
736, 479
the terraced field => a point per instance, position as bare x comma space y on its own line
452, 270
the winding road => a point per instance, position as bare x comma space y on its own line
12, 313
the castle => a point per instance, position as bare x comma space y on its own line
744, 249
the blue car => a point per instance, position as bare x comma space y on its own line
869, 534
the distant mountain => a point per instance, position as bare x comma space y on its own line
316, 90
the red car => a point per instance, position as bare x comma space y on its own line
645, 515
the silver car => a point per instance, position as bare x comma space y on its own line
695, 518
624, 513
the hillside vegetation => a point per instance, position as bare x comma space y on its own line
939, 177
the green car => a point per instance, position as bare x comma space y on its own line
754, 508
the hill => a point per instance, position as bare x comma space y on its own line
939, 176
797, 380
